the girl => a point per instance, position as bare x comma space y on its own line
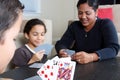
34, 32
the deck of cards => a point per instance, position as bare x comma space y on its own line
46, 47
57, 69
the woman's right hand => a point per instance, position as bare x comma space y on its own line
62, 53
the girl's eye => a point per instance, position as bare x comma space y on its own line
14, 39
42, 34
35, 34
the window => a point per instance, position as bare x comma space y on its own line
31, 6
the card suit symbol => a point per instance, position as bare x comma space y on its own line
51, 73
46, 76
42, 72
61, 64
52, 67
48, 67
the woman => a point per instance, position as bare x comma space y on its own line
10, 21
94, 38
34, 32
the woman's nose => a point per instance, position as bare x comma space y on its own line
83, 15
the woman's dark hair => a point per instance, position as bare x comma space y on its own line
9, 12
31, 23
92, 3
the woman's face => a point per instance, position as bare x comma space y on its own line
36, 36
86, 15
8, 47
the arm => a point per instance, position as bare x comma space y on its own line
20, 58
65, 42
110, 46
84, 57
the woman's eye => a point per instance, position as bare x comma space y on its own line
88, 13
80, 13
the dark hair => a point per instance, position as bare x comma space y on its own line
91, 3
9, 11
31, 23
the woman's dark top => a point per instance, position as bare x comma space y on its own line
101, 39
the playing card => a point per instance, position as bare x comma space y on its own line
69, 52
46, 47
48, 71
36, 65
66, 70
55, 60
57, 69
5, 79
34, 78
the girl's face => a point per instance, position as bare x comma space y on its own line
36, 36
8, 47
86, 15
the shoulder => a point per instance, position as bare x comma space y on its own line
106, 25
21, 49
104, 21
75, 24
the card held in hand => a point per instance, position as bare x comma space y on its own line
66, 70
46, 47
57, 69
48, 71
70, 52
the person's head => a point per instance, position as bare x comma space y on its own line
87, 11
10, 21
34, 31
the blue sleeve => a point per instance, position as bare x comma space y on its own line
110, 38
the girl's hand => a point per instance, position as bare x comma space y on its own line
37, 56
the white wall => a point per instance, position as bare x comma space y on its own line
59, 11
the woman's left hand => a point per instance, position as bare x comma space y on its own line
82, 57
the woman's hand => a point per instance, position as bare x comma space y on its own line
37, 56
62, 53
83, 57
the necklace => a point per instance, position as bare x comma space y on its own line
86, 34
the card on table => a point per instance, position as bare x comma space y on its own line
6, 79
46, 47
36, 65
34, 78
